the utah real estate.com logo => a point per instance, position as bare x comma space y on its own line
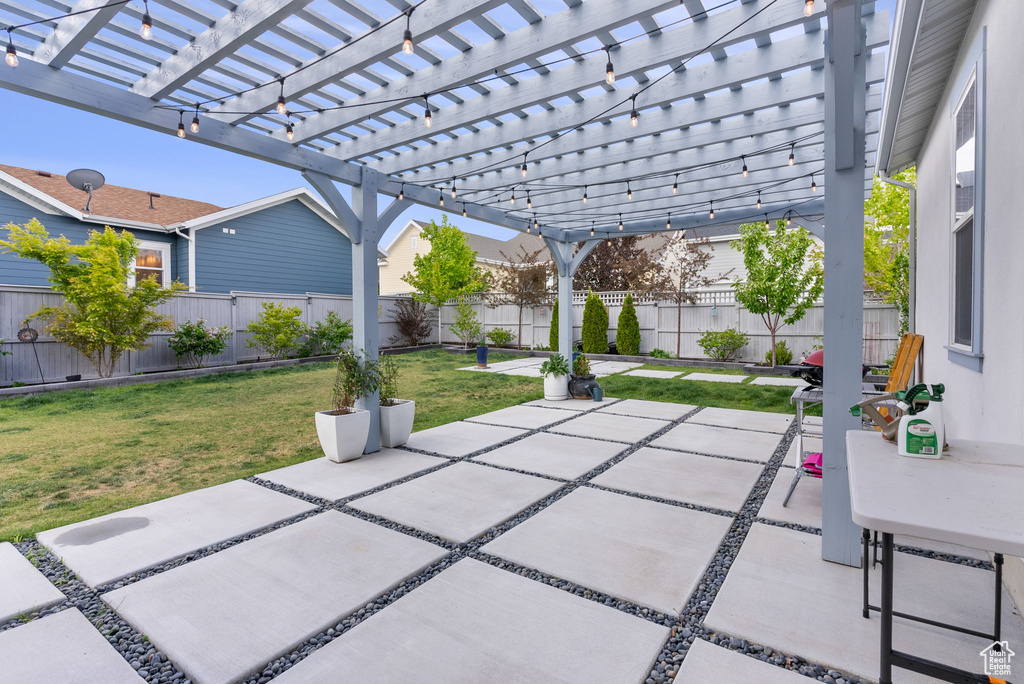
997, 659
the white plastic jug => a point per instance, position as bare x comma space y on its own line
922, 433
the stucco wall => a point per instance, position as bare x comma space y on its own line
987, 405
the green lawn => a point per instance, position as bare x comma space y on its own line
70, 456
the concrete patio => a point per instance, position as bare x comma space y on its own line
621, 541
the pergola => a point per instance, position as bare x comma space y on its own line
662, 114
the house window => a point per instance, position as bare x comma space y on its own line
415, 241
153, 262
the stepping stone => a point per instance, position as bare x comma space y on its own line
333, 481
744, 420
610, 367
475, 623
715, 377
705, 439
460, 502
460, 439
707, 663
23, 589
649, 553
223, 616
780, 593
777, 381
609, 426
643, 373
567, 404
554, 455
690, 478
641, 408
527, 417
63, 647
519, 363
478, 369
528, 371
114, 546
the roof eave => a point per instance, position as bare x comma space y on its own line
906, 25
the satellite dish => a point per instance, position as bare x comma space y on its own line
88, 181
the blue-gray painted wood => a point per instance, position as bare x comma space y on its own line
287, 248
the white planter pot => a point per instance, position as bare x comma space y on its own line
343, 437
556, 387
396, 423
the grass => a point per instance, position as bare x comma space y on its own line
70, 456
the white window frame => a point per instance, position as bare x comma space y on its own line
165, 249
973, 73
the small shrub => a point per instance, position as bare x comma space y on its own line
627, 336
660, 354
413, 323
355, 378
783, 356
196, 341
278, 330
722, 345
388, 370
555, 365
595, 326
581, 366
500, 337
553, 336
327, 336
466, 326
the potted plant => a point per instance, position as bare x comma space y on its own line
581, 381
396, 415
343, 430
556, 383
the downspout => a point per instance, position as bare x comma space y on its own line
191, 237
912, 276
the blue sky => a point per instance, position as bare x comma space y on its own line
50, 137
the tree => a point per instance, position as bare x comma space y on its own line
523, 282
627, 333
622, 265
784, 274
447, 271
410, 317
466, 326
684, 264
553, 334
595, 326
102, 316
887, 243
278, 329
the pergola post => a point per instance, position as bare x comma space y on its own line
844, 270
567, 263
363, 227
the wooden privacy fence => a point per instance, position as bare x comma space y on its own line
233, 311
716, 309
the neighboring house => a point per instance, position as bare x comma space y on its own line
289, 243
952, 108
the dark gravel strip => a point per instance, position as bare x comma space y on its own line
668, 502
396, 526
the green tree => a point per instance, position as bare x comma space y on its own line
887, 243
553, 335
278, 330
784, 274
627, 335
102, 316
595, 326
447, 271
466, 326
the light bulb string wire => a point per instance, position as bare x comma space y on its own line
48, 20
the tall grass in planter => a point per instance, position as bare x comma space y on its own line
344, 429
396, 415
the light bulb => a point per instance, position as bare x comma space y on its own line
453, 188
401, 192
440, 196
146, 30
535, 223
758, 199
609, 70
620, 221
792, 157
181, 130
634, 119
675, 186
524, 168
584, 194
464, 213
407, 42
290, 132
744, 167
711, 215
426, 118
281, 107
529, 202
12, 54
195, 124
591, 229
512, 199
808, 8
609, 242
788, 220
814, 186
668, 224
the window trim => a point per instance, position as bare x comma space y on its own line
165, 249
973, 73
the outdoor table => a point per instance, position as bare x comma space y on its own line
972, 496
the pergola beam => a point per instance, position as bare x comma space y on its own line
71, 34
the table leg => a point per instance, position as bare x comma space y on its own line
998, 562
885, 668
865, 537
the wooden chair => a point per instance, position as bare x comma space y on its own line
903, 365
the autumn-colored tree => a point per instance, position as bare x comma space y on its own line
447, 271
523, 282
685, 260
627, 264
887, 243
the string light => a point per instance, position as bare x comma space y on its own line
407, 45
668, 224
401, 192
146, 30
792, 154
788, 219
282, 108
464, 212
591, 229
12, 54
609, 238
609, 70
426, 111
814, 186
181, 123
524, 166
289, 130
808, 8
440, 196
712, 214
743, 158
758, 199
453, 187
675, 185
629, 191
529, 202
620, 221
634, 116
195, 120
536, 225
584, 194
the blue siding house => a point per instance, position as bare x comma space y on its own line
289, 243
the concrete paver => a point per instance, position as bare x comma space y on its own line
329, 480
776, 381
460, 439
595, 538
707, 663
644, 373
223, 616
63, 647
571, 404
460, 502
744, 420
553, 455
714, 377
611, 426
526, 417
706, 439
113, 546
641, 408
475, 623
23, 589
690, 478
